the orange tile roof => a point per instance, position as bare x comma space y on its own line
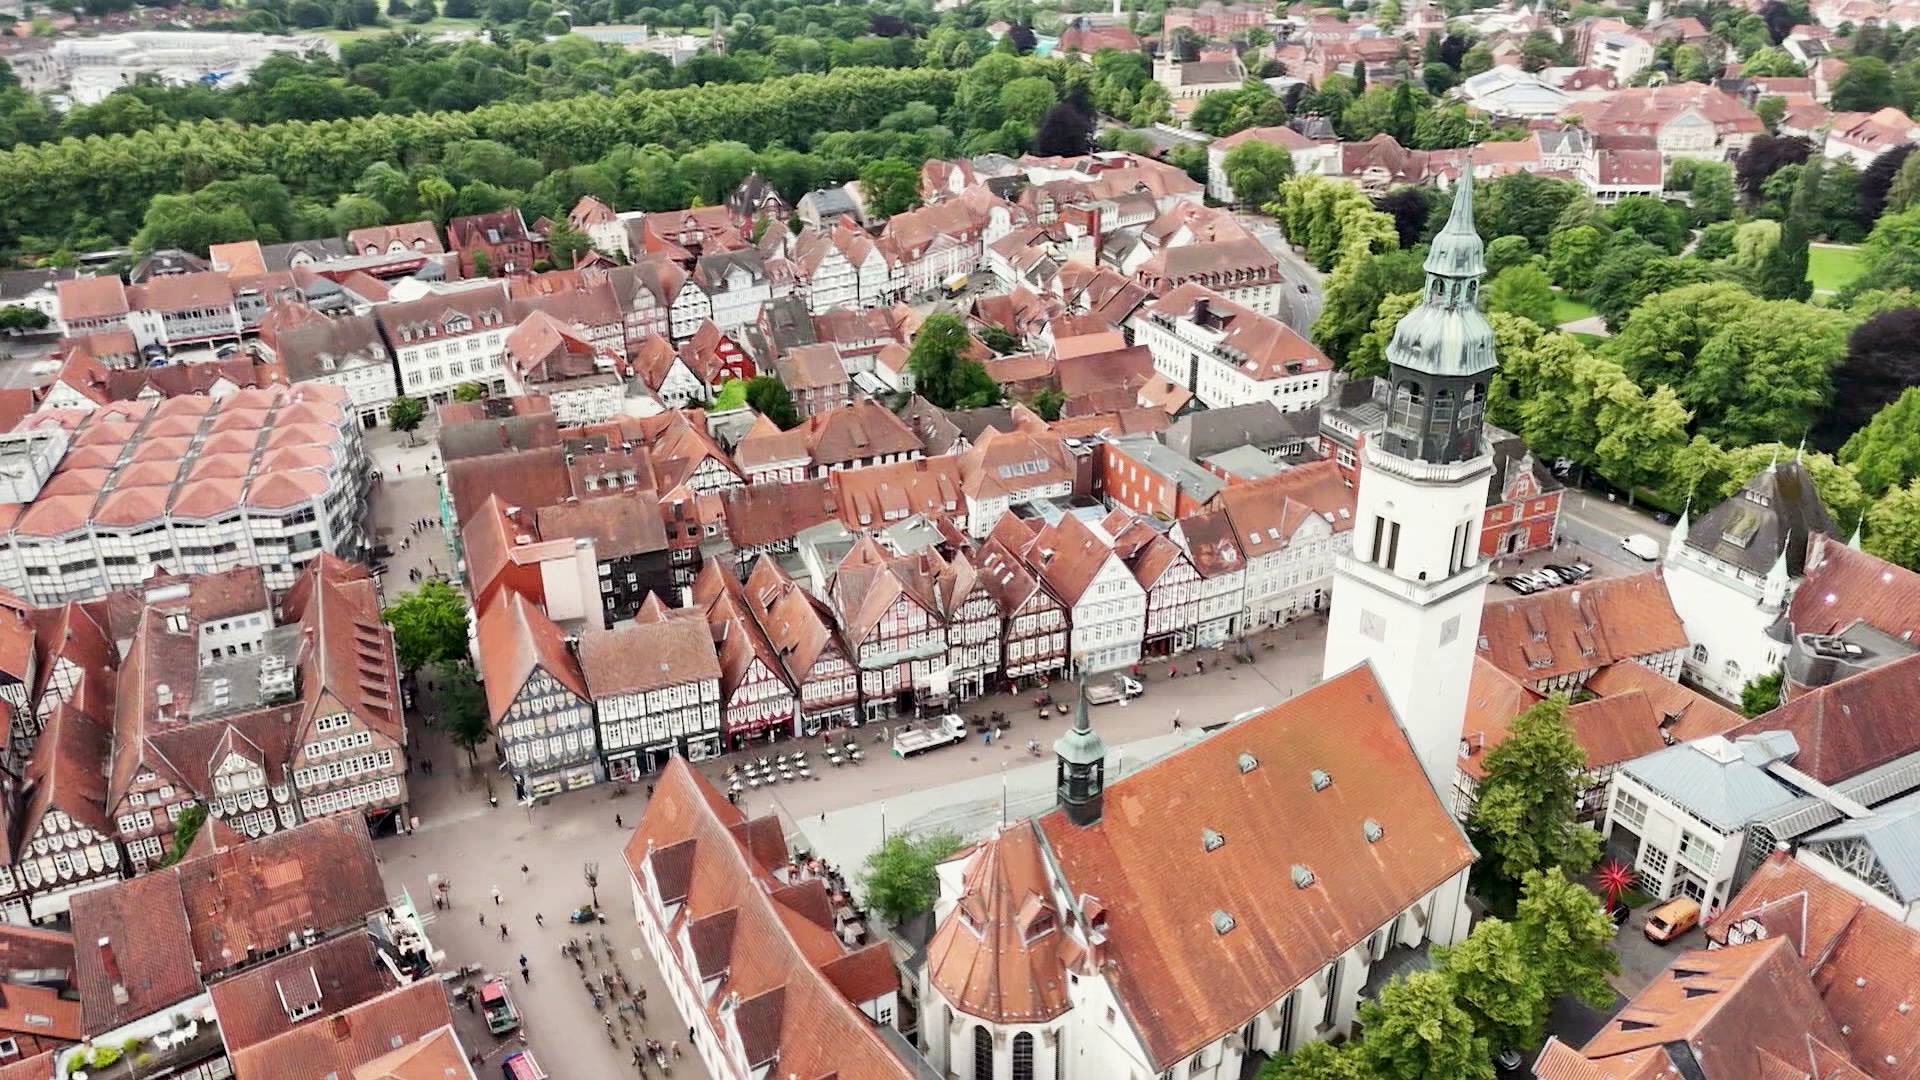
1000, 955
436, 1056
1183, 983
1684, 712
515, 639
1843, 586
756, 940
338, 1045
254, 1005
1721, 1010
1582, 627
1848, 727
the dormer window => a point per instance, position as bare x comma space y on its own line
1302, 877
1222, 923
1211, 840
1321, 780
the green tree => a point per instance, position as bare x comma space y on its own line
1655, 221
941, 373
1640, 433
185, 829
1368, 356
1495, 981
1255, 170
471, 391
482, 263
1527, 816
1571, 254
1522, 290
1505, 251
901, 876
1416, 1030
1886, 452
1761, 695
1866, 86
890, 186
14, 317
1567, 936
1893, 526
1047, 403
463, 709
405, 415
733, 395
1028, 99
1522, 204
1354, 295
768, 396
566, 244
999, 339
429, 625
1319, 1061
1783, 273
1712, 192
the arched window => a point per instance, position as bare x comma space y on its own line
1406, 406
1699, 654
1733, 673
1023, 1056
982, 1053
1473, 292
1474, 403
1440, 417
1439, 290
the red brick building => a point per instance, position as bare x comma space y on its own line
510, 247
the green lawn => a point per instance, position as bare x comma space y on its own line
1832, 268
1566, 309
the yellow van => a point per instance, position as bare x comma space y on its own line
1671, 919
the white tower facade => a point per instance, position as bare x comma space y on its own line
1408, 597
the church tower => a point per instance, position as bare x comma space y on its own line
1408, 596
1081, 767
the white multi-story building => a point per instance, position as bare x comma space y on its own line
264, 477
1733, 572
656, 688
1003, 470
1107, 608
1290, 530
448, 338
1228, 354
1211, 547
736, 286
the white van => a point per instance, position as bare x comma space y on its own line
1641, 546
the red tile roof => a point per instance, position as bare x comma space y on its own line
641, 656
254, 1005
1843, 586
1000, 956
319, 876
339, 1044
1182, 982
516, 639
1582, 627
762, 953
1848, 727
137, 957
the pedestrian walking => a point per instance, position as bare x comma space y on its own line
524, 873
483, 918
539, 919
1176, 719
526, 976
617, 823
496, 896
503, 931
673, 1049
523, 959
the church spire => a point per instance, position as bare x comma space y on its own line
1441, 353
1080, 767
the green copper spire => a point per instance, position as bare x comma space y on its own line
1082, 745
1457, 252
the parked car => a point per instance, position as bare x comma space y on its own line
1641, 546
1671, 919
1572, 572
1549, 578
1520, 585
1509, 1061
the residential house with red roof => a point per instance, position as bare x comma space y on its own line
582, 299
171, 310
449, 338
495, 244
1005, 469
892, 622
89, 304
1107, 608
1862, 137
538, 702
1289, 527
1221, 593
1229, 900
973, 626
548, 357
1033, 623
766, 973
737, 287
757, 702
1555, 641
600, 224
840, 264
807, 638
655, 687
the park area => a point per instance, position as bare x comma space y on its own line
1831, 267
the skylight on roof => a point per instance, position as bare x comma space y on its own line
1212, 840
1222, 922
1321, 780
1248, 762
1302, 877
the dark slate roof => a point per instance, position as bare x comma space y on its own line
280, 256
1509, 453
1202, 434
1775, 511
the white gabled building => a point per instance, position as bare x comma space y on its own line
655, 684
1290, 529
1207, 537
1228, 354
1107, 608
449, 337
1733, 573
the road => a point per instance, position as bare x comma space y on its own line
1297, 309
1595, 523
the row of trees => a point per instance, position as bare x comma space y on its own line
97, 190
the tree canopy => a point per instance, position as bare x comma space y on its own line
1527, 814
941, 372
900, 878
429, 625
